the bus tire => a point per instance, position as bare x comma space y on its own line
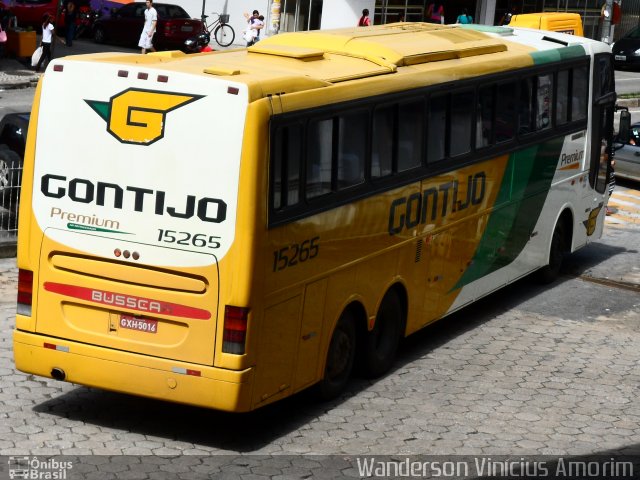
551, 271
10, 166
340, 357
381, 343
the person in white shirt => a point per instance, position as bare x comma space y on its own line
150, 23
47, 38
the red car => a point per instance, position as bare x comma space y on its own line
124, 26
30, 12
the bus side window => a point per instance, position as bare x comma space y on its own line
525, 106
544, 91
484, 127
562, 97
437, 128
506, 112
579, 92
352, 147
604, 75
286, 165
382, 141
319, 156
294, 154
410, 134
461, 124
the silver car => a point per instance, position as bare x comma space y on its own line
628, 157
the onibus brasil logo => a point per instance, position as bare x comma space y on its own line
138, 116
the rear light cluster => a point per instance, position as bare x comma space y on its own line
235, 329
25, 292
170, 27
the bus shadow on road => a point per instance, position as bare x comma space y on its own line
210, 431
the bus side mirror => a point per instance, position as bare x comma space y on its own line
625, 126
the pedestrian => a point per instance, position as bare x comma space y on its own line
435, 13
150, 23
464, 18
364, 19
254, 25
47, 39
70, 16
506, 18
257, 25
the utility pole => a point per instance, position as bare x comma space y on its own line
607, 11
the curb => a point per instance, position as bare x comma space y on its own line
629, 102
8, 249
15, 86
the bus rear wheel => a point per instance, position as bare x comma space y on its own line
340, 358
550, 272
381, 343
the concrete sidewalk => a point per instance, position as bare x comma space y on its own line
14, 74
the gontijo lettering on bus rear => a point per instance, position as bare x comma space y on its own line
132, 198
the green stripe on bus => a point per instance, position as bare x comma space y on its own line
557, 54
524, 189
487, 28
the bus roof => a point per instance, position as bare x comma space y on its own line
293, 62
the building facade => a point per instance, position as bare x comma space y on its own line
300, 15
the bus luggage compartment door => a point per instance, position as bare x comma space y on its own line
167, 313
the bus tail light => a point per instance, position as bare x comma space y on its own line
235, 329
25, 292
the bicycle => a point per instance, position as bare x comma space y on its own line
221, 30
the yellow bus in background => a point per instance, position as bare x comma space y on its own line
227, 229
569, 23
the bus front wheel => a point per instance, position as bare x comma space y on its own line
340, 358
381, 344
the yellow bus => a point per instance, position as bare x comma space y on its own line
561, 22
229, 228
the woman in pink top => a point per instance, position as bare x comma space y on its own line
364, 19
435, 14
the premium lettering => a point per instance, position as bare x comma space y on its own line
92, 220
567, 159
428, 205
133, 198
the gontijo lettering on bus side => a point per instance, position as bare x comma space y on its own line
436, 202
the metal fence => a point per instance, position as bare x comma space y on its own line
10, 180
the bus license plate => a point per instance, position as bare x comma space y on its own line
139, 323
187, 28
621, 57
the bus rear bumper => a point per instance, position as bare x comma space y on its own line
132, 373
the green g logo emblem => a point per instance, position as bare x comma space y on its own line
138, 116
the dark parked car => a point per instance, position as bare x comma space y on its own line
124, 26
628, 157
626, 51
13, 138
